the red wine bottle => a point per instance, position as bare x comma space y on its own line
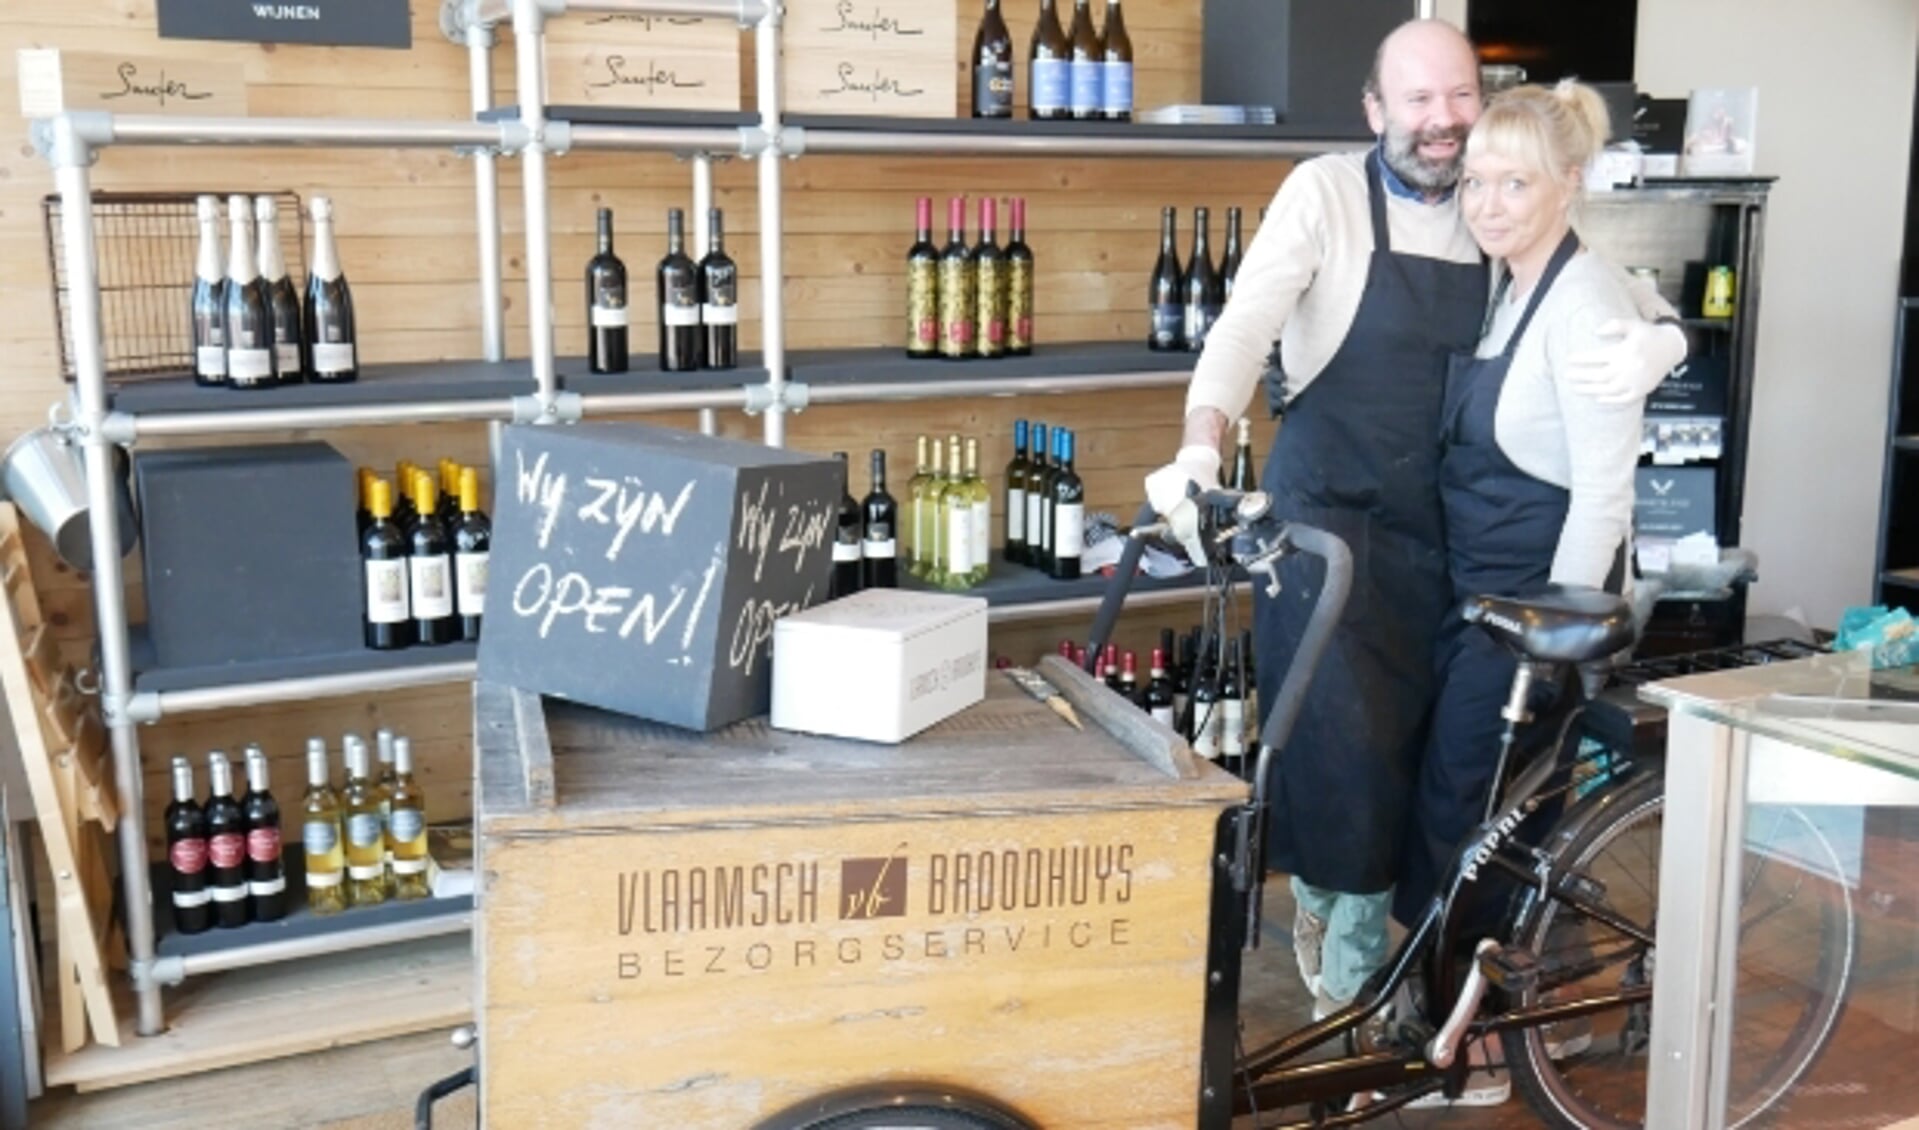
388, 613
1019, 285
678, 285
1159, 690
226, 844
1230, 257
923, 286
719, 298
430, 570
1069, 512
849, 529
992, 65
606, 306
1164, 298
187, 854
266, 871
879, 550
472, 536
989, 268
959, 287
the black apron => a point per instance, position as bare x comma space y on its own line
1355, 456
1502, 531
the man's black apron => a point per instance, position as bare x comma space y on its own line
1356, 456
1502, 531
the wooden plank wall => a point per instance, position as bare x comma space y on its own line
406, 227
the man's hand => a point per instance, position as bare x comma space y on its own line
1638, 358
1168, 487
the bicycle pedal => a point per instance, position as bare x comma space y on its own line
1512, 970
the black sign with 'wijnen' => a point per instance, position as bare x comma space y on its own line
329, 23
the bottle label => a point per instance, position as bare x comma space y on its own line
993, 89
1035, 518
324, 879
187, 900
235, 893
249, 366
261, 888
263, 845
227, 850
846, 551
959, 299
982, 531
432, 594
1163, 715
879, 549
1015, 514
1050, 83
1206, 730
386, 601
991, 316
211, 361
1116, 88
959, 539
363, 830
367, 873
608, 317
407, 825
1069, 537
715, 315
1232, 727
409, 867
188, 857
922, 306
1086, 86
320, 837
1198, 323
675, 314
332, 357
469, 571
289, 360
1168, 321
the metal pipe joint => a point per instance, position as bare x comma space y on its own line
563, 408
786, 396
157, 971
73, 139
139, 708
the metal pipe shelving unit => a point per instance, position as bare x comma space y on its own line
72, 141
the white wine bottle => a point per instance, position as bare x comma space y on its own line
320, 836
982, 513
365, 831
406, 828
383, 749
956, 522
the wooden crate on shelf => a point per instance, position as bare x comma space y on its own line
644, 62
885, 57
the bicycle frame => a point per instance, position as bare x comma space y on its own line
1269, 1078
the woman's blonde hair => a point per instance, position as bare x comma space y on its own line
1549, 128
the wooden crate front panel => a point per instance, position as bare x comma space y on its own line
1077, 1001
643, 62
887, 57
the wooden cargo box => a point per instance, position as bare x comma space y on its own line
706, 937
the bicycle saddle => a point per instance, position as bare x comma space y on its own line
1560, 625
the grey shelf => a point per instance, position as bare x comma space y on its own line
378, 385
150, 676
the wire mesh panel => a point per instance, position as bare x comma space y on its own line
147, 245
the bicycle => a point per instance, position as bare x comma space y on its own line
1577, 942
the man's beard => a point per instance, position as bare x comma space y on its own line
1402, 156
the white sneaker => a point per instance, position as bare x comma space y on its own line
1309, 941
1487, 1084
1568, 1038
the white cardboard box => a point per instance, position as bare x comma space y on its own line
880, 665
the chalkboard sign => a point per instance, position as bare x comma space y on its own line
641, 569
324, 23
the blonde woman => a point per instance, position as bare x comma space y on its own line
1536, 477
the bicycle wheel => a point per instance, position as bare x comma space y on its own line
1795, 958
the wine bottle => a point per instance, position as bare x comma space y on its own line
923, 286
383, 744
266, 871
1014, 550
982, 524
249, 320
989, 266
1159, 691
1201, 293
406, 827
209, 312
429, 571
992, 65
1164, 295
847, 534
1049, 85
472, 550
187, 854
365, 831
928, 528
403, 513
1229, 259
283, 304
915, 500
449, 493
1129, 677
1019, 285
1108, 671
1116, 75
956, 523
1039, 484
1085, 71
879, 551
959, 286
677, 281
1244, 477
1232, 713
1206, 713
607, 315
1183, 680
389, 614
332, 348
320, 836
1249, 691
1069, 513
226, 844
719, 298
